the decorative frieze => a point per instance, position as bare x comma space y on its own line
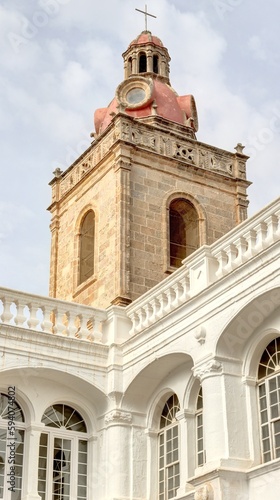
160, 141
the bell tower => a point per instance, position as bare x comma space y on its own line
145, 194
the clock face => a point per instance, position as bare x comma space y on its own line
135, 92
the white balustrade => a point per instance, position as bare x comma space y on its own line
234, 249
51, 316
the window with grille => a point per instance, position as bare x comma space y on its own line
11, 448
269, 400
199, 430
86, 244
62, 471
183, 231
169, 467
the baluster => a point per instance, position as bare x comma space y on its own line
97, 320
59, 326
241, 246
20, 317
277, 214
83, 332
272, 225
47, 324
71, 324
170, 296
135, 323
250, 237
261, 231
7, 315
148, 314
231, 255
33, 320
142, 316
185, 282
178, 292
163, 303
222, 259
155, 305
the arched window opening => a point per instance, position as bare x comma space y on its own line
169, 467
129, 66
63, 455
269, 400
10, 411
155, 64
183, 231
142, 63
86, 256
199, 430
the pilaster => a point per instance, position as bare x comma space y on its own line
122, 276
32, 442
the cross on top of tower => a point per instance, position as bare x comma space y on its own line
146, 13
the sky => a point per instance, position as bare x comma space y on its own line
61, 60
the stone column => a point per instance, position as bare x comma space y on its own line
31, 458
187, 450
214, 421
118, 455
225, 420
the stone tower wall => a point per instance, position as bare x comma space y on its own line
129, 177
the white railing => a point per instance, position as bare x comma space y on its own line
207, 265
52, 316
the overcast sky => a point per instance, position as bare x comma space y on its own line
61, 59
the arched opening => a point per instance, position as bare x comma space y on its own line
142, 63
86, 247
129, 66
62, 470
155, 63
269, 400
169, 467
183, 231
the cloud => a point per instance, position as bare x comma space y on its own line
256, 47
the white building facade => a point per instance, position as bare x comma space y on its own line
174, 394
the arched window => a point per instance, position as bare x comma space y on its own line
169, 468
155, 63
183, 230
199, 430
11, 446
86, 244
269, 400
129, 66
142, 63
62, 471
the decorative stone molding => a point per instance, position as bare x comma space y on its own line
209, 369
200, 335
204, 493
180, 145
117, 416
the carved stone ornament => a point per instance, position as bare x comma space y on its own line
200, 334
118, 416
204, 493
211, 368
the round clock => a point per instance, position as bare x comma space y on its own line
135, 93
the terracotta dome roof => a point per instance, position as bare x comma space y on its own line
146, 37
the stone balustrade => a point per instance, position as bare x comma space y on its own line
207, 265
52, 316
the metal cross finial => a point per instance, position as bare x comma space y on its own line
146, 16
